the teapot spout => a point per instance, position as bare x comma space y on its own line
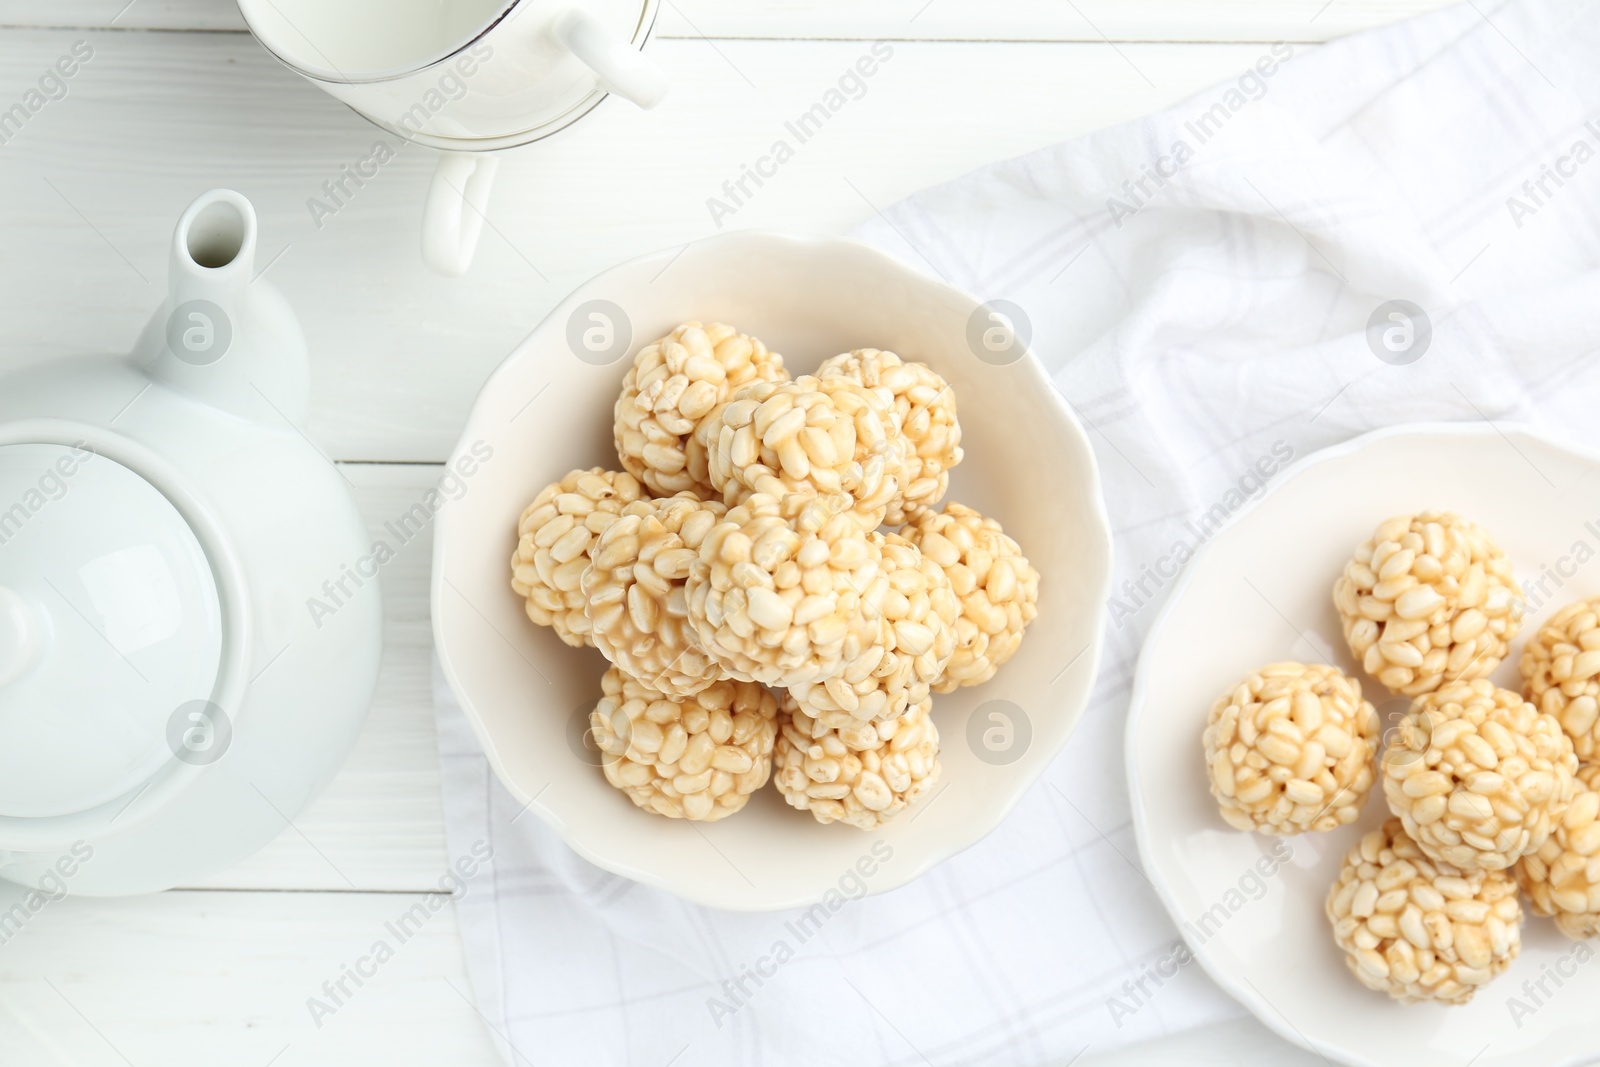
223, 336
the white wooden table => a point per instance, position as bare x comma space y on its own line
178, 99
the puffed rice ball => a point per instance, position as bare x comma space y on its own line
1428, 599
919, 614
1290, 749
785, 598
1418, 929
672, 389
1561, 673
997, 586
1478, 775
859, 773
1562, 878
696, 758
924, 409
554, 536
634, 589
811, 436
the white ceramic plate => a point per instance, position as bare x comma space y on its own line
1261, 590
546, 411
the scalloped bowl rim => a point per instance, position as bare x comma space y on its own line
1097, 520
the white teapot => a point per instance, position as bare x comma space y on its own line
189, 637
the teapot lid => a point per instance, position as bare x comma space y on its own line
111, 631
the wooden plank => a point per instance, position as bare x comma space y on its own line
379, 825
124, 14
203, 979
1019, 20
93, 184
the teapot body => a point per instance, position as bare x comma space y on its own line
298, 583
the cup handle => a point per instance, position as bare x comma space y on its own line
452, 222
622, 68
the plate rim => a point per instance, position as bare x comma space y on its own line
1097, 526
1238, 988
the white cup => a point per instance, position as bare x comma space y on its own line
467, 77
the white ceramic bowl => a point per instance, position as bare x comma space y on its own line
546, 411
1261, 590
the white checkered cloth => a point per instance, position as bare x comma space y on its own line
1223, 322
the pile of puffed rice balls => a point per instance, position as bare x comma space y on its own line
1489, 791
738, 575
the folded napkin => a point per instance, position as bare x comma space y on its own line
1401, 226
